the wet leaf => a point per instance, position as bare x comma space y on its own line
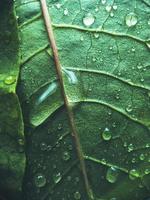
104, 56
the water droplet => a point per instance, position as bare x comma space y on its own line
130, 147
149, 22
112, 174
21, 142
103, 2
112, 14
57, 177
148, 44
133, 160
94, 59
147, 171
66, 156
50, 89
139, 66
133, 49
9, 80
77, 195
71, 76
96, 9
108, 8
129, 108
106, 135
66, 12
131, 19
115, 7
43, 146
133, 173
39, 180
142, 80
60, 126
88, 19
58, 5
125, 144
96, 35
142, 156
81, 38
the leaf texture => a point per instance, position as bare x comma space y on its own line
104, 55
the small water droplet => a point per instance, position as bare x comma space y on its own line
147, 171
39, 180
142, 156
112, 14
142, 80
96, 35
66, 156
81, 38
133, 49
71, 76
148, 44
112, 174
149, 22
58, 5
9, 80
130, 147
106, 135
66, 12
43, 146
88, 19
77, 195
115, 7
133, 160
60, 126
131, 19
133, 173
57, 177
94, 59
129, 108
139, 66
108, 8
125, 144
103, 2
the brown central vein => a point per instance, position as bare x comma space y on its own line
50, 33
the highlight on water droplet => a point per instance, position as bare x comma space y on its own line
129, 108
96, 35
130, 147
66, 12
112, 174
70, 75
131, 19
43, 146
108, 8
77, 195
9, 80
40, 180
142, 156
106, 135
88, 19
103, 2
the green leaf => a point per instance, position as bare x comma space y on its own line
12, 158
103, 50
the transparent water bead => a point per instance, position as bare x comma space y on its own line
106, 135
66, 12
131, 19
72, 78
66, 156
115, 7
130, 147
112, 175
39, 180
133, 173
103, 2
9, 80
142, 156
149, 22
129, 108
57, 177
108, 8
77, 195
88, 19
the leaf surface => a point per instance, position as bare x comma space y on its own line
104, 54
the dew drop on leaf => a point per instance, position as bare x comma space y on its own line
103, 2
129, 108
96, 35
9, 80
58, 5
66, 11
147, 171
112, 175
133, 173
77, 195
66, 156
106, 135
43, 146
71, 76
108, 8
88, 19
139, 66
131, 19
130, 147
39, 180
149, 22
57, 177
115, 7
112, 14
142, 156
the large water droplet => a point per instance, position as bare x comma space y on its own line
71, 76
112, 174
77, 195
88, 19
50, 89
9, 80
106, 135
133, 173
131, 19
66, 155
57, 177
39, 180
